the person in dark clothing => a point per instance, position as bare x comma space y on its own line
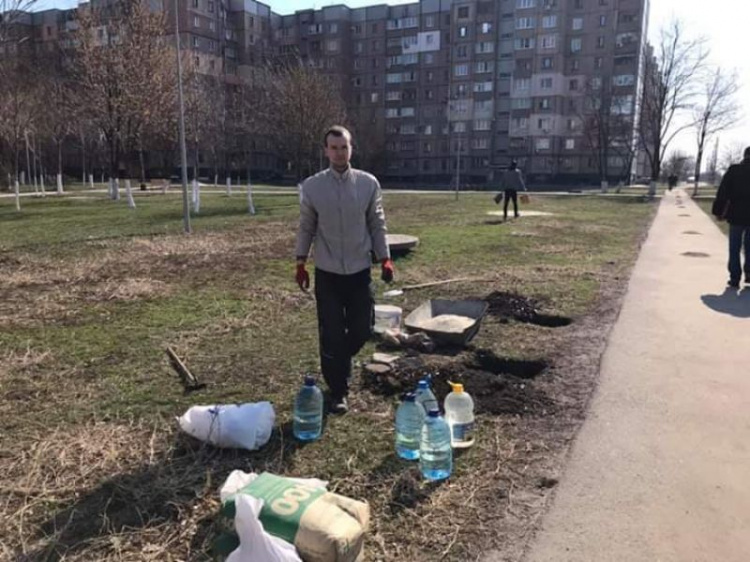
341, 214
511, 182
672, 181
732, 204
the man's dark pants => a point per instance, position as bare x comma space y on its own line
345, 320
737, 235
510, 194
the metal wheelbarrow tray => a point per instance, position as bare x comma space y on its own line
435, 307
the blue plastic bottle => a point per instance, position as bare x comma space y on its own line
435, 452
409, 421
308, 411
425, 397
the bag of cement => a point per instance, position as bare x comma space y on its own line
246, 426
324, 527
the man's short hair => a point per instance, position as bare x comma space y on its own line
337, 131
747, 153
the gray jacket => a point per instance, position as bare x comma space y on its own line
343, 215
512, 179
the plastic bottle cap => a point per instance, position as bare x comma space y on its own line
423, 384
434, 413
457, 387
410, 397
309, 380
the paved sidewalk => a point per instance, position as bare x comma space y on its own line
660, 470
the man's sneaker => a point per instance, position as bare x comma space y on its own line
339, 406
733, 284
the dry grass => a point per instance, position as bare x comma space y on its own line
94, 469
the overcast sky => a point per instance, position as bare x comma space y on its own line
723, 22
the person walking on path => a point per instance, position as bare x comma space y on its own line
732, 203
511, 182
341, 215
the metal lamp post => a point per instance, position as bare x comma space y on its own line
183, 147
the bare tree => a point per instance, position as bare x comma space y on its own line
732, 154
19, 102
669, 88
11, 14
678, 164
299, 105
123, 65
716, 110
713, 164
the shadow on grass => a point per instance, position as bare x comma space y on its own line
165, 490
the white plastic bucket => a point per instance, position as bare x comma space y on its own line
387, 317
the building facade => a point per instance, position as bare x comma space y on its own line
440, 91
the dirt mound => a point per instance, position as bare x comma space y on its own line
524, 309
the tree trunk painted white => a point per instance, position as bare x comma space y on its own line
36, 185
652, 188
18, 196
250, 205
41, 185
91, 181
229, 186
23, 177
116, 193
197, 197
605, 186
299, 189
129, 194
216, 181
59, 184
194, 194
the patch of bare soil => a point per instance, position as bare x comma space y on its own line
523, 309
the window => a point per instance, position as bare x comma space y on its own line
573, 86
596, 83
393, 96
521, 4
461, 70
358, 29
524, 43
462, 51
602, 21
576, 45
463, 31
544, 103
548, 41
196, 21
357, 64
211, 45
572, 124
544, 124
332, 45
520, 103
429, 94
374, 28
622, 105
196, 43
463, 12
428, 58
393, 78
358, 47
482, 125
483, 66
598, 62
526, 23
483, 107
521, 84
480, 87
212, 25
623, 80
315, 29
374, 97
577, 24
547, 62
520, 123
485, 27
459, 127
542, 144
570, 144
480, 144
625, 39
549, 22
391, 112
408, 129
427, 129
407, 112
545, 83
333, 28
197, 61
627, 18
484, 47
430, 75
600, 42
195, 3
429, 21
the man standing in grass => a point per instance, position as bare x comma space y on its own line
341, 213
511, 182
732, 204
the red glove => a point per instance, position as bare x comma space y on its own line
387, 270
302, 277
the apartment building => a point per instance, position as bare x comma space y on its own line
443, 88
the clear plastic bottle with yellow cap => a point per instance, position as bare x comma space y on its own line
459, 413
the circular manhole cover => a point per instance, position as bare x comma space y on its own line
401, 242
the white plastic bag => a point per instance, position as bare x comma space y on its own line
255, 544
246, 426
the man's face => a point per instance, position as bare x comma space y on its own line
338, 151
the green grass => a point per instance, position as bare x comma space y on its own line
96, 291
